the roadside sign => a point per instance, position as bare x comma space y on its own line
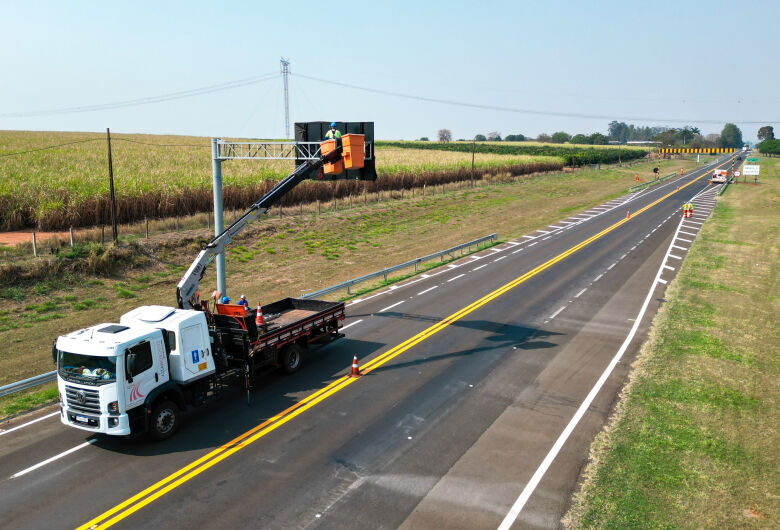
737, 174
751, 169
752, 159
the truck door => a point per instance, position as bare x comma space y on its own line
193, 349
141, 374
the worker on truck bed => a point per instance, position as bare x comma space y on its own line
243, 301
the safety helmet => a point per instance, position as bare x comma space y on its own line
243, 297
333, 124
224, 300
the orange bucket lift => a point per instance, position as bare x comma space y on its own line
352, 154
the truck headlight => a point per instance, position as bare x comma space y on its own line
113, 406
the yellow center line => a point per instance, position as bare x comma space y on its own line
193, 469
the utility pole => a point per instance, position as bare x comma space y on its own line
111, 187
285, 68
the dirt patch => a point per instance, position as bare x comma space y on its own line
25, 236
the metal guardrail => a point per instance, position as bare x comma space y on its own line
411, 263
652, 182
24, 384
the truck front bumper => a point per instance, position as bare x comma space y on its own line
116, 425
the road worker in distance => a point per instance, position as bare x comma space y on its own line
333, 133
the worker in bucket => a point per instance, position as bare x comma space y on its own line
224, 300
333, 133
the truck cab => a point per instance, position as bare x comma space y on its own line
113, 377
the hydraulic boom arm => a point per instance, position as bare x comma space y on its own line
188, 285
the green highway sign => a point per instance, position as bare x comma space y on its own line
752, 159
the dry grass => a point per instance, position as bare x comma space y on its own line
694, 442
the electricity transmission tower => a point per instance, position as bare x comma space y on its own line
285, 68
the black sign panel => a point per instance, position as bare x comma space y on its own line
314, 131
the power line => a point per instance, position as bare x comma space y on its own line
229, 85
520, 110
49, 147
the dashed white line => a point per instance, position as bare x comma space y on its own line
623, 256
352, 323
435, 286
36, 420
557, 312
456, 277
498, 259
545, 238
675, 257
580, 293
556, 227
610, 267
544, 231
669, 267
597, 278
532, 244
52, 459
686, 240
391, 306
477, 268
516, 251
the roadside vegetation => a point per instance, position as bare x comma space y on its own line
694, 440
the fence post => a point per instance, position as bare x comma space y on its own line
177, 223
318, 206
71, 236
35, 246
102, 234
146, 221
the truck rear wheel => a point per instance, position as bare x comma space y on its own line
164, 420
292, 357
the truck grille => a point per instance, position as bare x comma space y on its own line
82, 399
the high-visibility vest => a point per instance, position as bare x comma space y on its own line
690, 206
330, 135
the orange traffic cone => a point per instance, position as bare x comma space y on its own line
259, 318
628, 214
636, 177
355, 367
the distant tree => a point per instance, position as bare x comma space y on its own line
731, 136
424, 139
598, 139
480, 138
687, 133
494, 136
543, 138
712, 140
619, 131
698, 141
769, 147
514, 138
445, 135
579, 139
767, 132
560, 137
667, 138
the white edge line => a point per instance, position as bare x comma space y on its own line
36, 420
597, 278
517, 507
391, 306
352, 324
52, 459
435, 286
557, 312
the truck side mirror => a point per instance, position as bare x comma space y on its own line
130, 366
54, 352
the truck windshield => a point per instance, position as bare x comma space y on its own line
89, 369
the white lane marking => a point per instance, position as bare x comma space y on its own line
557, 312
518, 505
516, 251
556, 227
392, 288
597, 278
544, 231
391, 306
52, 459
513, 243
36, 420
477, 258
688, 233
580, 293
532, 244
668, 267
355, 301
623, 256
426, 276
530, 237
477, 268
544, 238
352, 323
456, 277
691, 227
694, 222
610, 267
498, 259
675, 257
451, 266
632, 248
435, 286
662, 281
679, 247
566, 222
686, 240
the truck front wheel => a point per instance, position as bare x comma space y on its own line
164, 420
292, 357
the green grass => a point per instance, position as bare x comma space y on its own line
694, 442
24, 401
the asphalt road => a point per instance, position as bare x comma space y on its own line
467, 425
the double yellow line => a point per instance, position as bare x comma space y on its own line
157, 490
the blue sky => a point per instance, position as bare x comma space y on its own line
690, 61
